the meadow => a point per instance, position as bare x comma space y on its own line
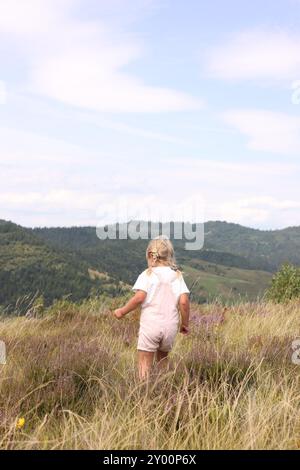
70, 381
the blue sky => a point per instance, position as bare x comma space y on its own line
152, 106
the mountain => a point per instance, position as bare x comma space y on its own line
208, 281
212, 271
29, 267
267, 249
236, 262
225, 243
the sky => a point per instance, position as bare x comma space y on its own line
163, 109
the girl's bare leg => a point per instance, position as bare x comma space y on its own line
145, 362
162, 359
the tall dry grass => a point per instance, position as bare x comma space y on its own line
71, 375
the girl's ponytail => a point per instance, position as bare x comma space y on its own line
161, 249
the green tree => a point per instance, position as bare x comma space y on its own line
285, 284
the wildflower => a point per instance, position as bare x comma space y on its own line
20, 423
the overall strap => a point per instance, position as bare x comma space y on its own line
164, 293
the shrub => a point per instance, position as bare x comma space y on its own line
285, 284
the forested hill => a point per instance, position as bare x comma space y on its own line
29, 267
225, 243
267, 249
235, 262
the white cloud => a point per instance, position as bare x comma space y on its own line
122, 128
256, 54
81, 62
267, 130
71, 207
91, 80
23, 149
64, 207
31, 16
53, 200
3, 92
265, 211
38, 190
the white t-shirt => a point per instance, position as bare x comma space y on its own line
148, 282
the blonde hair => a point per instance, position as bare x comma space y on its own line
162, 250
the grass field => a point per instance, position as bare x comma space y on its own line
212, 281
70, 382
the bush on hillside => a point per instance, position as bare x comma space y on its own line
285, 284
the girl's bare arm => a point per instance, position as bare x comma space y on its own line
184, 308
131, 305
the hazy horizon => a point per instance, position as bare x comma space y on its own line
153, 221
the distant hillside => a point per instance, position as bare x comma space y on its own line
28, 266
236, 262
225, 243
123, 259
266, 249
246, 275
208, 281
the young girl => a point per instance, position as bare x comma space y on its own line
161, 291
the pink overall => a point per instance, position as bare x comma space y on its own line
160, 318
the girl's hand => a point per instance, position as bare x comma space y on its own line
184, 330
118, 313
